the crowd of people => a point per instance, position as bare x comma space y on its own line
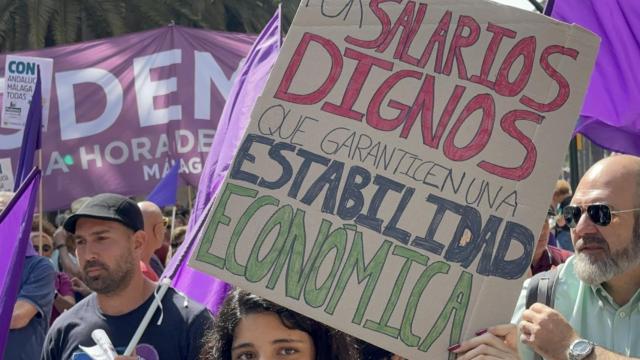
99, 269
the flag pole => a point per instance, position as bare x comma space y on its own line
41, 185
173, 223
159, 294
189, 197
40, 203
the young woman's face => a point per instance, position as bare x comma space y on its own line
263, 336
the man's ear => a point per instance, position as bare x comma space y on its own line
158, 231
139, 240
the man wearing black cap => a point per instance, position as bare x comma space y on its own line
110, 239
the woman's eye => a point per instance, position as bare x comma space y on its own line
288, 351
246, 356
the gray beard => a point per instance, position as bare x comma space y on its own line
594, 272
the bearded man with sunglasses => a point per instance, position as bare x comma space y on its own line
596, 312
597, 302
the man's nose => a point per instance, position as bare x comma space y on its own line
91, 251
585, 226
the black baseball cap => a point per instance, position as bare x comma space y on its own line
110, 207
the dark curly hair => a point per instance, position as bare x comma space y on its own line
328, 343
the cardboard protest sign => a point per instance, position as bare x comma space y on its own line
398, 167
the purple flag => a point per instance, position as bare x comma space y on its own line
610, 116
15, 227
31, 135
235, 117
165, 192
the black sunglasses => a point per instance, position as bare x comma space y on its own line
600, 214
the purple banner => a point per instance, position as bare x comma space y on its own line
123, 109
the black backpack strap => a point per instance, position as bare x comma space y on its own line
542, 289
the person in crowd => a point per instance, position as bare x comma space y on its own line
162, 253
560, 192
63, 257
80, 289
251, 327
43, 243
178, 238
545, 256
597, 295
561, 198
32, 310
64, 254
110, 241
155, 226
182, 219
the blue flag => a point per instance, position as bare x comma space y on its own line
164, 193
31, 136
15, 227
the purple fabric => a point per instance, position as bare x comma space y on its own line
15, 227
610, 116
164, 193
31, 141
31, 135
121, 107
235, 118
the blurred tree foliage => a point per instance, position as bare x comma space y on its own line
33, 24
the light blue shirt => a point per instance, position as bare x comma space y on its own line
592, 313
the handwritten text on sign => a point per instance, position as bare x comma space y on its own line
395, 175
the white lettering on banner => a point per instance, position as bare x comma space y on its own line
205, 139
163, 145
124, 153
119, 152
74, 124
146, 89
195, 165
151, 171
190, 141
137, 149
86, 157
56, 162
207, 70
70, 127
